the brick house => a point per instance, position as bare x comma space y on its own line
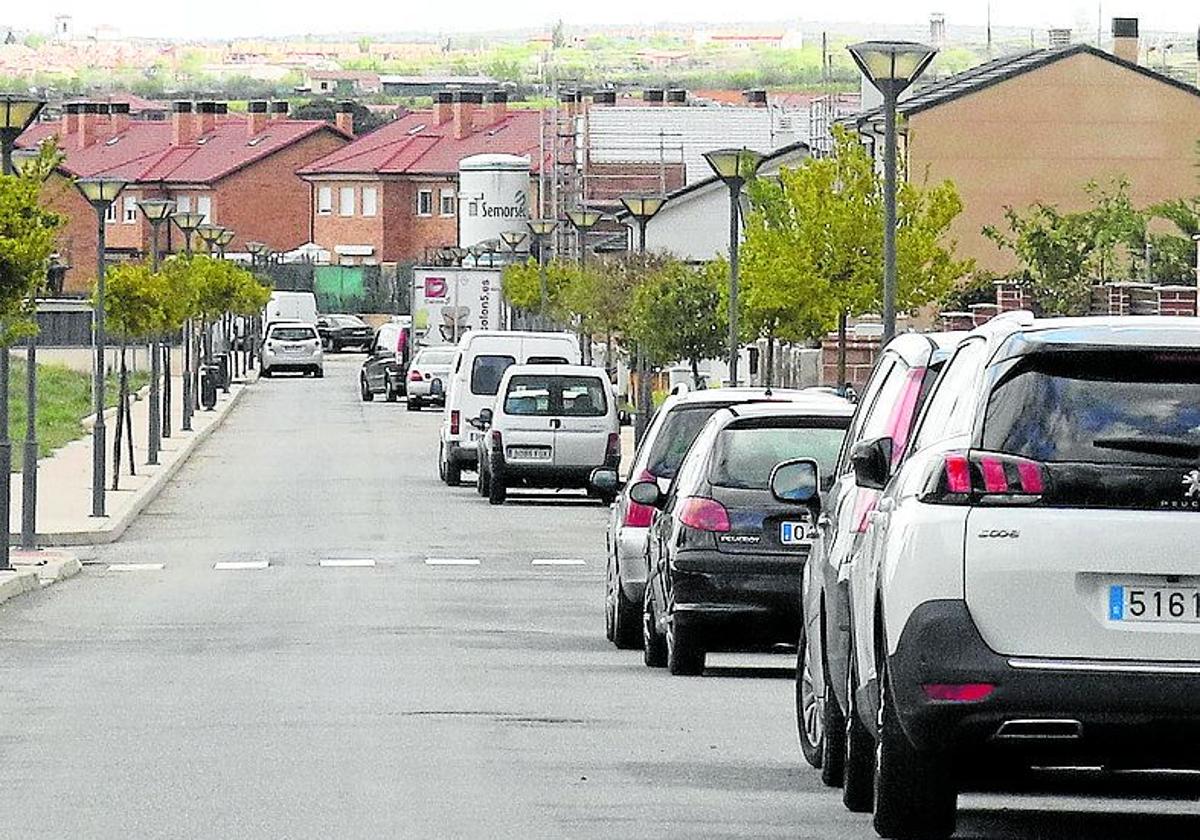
238, 170
392, 196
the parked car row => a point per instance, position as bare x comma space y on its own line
983, 564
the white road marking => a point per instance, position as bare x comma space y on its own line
347, 563
239, 565
135, 567
451, 561
558, 561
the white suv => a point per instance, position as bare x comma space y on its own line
551, 426
1029, 594
292, 346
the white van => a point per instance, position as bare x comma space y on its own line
550, 426
291, 306
479, 365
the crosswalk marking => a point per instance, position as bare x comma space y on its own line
347, 563
135, 567
558, 561
240, 565
451, 561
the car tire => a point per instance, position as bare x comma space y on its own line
915, 795
809, 716
365, 390
685, 658
483, 481
626, 627
389, 394
497, 490
453, 473
265, 372
858, 762
319, 373
654, 646
833, 738
414, 404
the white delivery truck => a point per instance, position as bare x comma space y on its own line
448, 303
291, 306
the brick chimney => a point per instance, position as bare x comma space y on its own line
497, 107
70, 123
183, 123
222, 109
569, 102
279, 110
256, 116
120, 117
677, 97
103, 120
756, 98
604, 97
464, 106
1125, 39
443, 110
207, 116
88, 118
653, 96
343, 117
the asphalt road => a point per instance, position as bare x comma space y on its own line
403, 699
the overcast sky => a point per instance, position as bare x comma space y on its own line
236, 18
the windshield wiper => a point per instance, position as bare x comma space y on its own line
1151, 445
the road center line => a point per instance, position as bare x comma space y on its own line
240, 565
451, 561
347, 563
134, 567
558, 561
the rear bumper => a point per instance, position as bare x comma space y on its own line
534, 475
1052, 712
731, 609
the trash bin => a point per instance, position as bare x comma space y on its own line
208, 386
225, 371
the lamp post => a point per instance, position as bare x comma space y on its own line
187, 224
583, 220
223, 241
211, 234
100, 193
16, 114
542, 230
513, 239
257, 251
891, 66
734, 167
642, 208
157, 212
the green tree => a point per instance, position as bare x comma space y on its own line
677, 314
521, 284
365, 120
28, 233
1053, 249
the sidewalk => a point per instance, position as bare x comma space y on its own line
65, 477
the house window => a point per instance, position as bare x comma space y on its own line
204, 208
448, 202
110, 214
183, 204
424, 202
131, 209
346, 201
370, 201
325, 201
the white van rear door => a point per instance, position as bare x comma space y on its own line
586, 419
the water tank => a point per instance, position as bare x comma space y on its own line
493, 197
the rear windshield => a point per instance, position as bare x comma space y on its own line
486, 373
679, 429
551, 396
293, 333
346, 321
1109, 408
437, 358
747, 452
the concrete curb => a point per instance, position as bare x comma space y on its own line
51, 566
17, 582
116, 527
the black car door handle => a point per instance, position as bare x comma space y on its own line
555, 423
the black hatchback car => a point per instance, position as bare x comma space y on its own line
341, 331
723, 555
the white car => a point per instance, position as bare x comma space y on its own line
1029, 590
551, 426
292, 346
671, 431
427, 376
479, 365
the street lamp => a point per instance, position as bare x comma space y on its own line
513, 239
100, 192
541, 230
735, 167
187, 224
211, 234
258, 250
17, 113
157, 212
642, 208
583, 220
891, 66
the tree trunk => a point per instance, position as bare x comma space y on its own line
770, 366
841, 350
695, 373
120, 430
608, 354
128, 414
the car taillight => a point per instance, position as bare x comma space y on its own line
614, 446
639, 516
704, 514
962, 478
454, 422
414, 375
958, 692
497, 439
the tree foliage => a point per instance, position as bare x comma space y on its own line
28, 234
135, 301
676, 313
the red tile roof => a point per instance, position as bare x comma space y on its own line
143, 151
413, 145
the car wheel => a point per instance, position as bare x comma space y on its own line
265, 372
627, 634
414, 404
483, 481
833, 737
809, 716
365, 389
685, 658
319, 373
497, 490
441, 463
453, 472
858, 763
610, 601
914, 793
654, 646
389, 394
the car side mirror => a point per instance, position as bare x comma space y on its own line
797, 482
872, 462
647, 493
605, 480
485, 417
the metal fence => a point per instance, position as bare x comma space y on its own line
347, 288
